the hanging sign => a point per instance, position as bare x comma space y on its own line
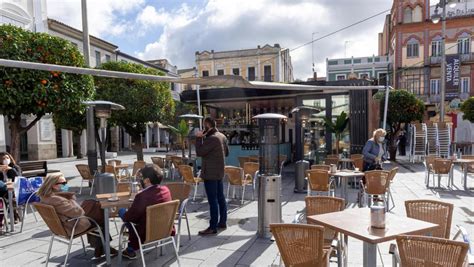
453, 71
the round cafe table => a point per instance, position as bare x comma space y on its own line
465, 163
345, 175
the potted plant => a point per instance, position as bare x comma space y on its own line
337, 127
181, 131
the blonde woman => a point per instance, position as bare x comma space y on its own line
374, 153
54, 192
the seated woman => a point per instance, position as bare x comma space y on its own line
9, 170
374, 152
54, 192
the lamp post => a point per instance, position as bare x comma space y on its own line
103, 111
435, 18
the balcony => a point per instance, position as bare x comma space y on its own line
434, 60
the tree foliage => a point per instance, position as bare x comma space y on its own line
467, 108
182, 131
144, 101
403, 107
337, 127
73, 120
37, 93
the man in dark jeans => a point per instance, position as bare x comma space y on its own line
211, 145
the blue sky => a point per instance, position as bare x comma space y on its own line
175, 29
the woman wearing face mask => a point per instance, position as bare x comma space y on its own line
54, 192
374, 153
8, 167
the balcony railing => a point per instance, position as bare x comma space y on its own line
464, 58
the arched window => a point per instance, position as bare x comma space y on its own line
417, 14
407, 15
413, 47
436, 46
464, 43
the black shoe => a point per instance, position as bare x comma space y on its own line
131, 255
208, 231
221, 226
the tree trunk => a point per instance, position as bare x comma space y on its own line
138, 146
392, 150
337, 145
77, 136
15, 131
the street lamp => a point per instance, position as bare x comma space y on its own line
435, 18
103, 111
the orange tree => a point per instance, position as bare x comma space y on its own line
403, 107
36, 93
467, 108
75, 121
144, 101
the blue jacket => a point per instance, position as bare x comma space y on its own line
371, 151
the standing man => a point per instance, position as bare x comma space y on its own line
211, 145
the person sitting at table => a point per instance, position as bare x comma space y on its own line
9, 170
152, 193
54, 192
374, 152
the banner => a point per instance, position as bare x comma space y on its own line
453, 73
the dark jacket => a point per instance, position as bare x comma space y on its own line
12, 173
137, 212
371, 151
213, 149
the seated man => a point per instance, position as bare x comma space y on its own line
151, 194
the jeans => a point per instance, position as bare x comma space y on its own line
217, 203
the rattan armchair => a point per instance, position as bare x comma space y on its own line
251, 170
181, 191
243, 160
138, 165
429, 168
431, 251
116, 161
86, 175
443, 167
470, 166
331, 159
235, 177
437, 212
51, 218
392, 174
376, 184
320, 181
323, 167
186, 172
301, 244
159, 226
176, 161
358, 161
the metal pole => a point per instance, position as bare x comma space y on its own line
199, 106
385, 109
443, 61
312, 49
91, 141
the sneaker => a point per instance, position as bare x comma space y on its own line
131, 255
208, 231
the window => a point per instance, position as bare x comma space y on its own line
267, 72
382, 78
436, 48
412, 49
369, 60
465, 82
97, 58
413, 85
220, 72
205, 73
340, 77
407, 15
464, 45
357, 61
107, 58
363, 75
377, 59
347, 61
236, 71
251, 73
434, 86
332, 62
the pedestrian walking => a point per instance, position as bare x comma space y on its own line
211, 145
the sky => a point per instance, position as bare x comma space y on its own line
175, 29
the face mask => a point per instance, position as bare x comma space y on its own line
381, 139
64, 188
6, 162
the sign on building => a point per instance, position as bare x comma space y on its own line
453, 72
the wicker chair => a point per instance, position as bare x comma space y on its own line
331, 159
51, 218
470, 166
254, 158
358, 161
376, 184
243, 160
161, 163
176, 161
138, 165
86, 175
320, 205
236, 177
429, 167
301, 244
443, 167
186, 172
181, 191
320, 181
391, 176
111, 162
321, 167
437, 212
431, 251
251, 170
162, 214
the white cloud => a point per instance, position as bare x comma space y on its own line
103, 15
149, 16
230, 25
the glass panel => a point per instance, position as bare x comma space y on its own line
340, 103
314, 131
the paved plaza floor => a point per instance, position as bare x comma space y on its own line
238, 245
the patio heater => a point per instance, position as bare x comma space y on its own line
269, 179
303, 115
103, 111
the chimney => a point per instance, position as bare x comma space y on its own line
315, 76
